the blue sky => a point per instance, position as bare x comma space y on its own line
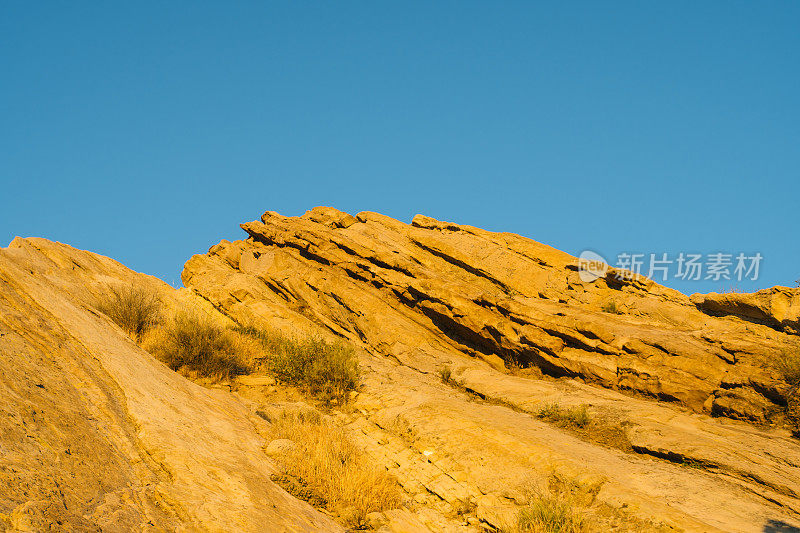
147, 131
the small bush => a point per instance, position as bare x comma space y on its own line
788, 366
332, 472
611, 307
328, 370
191, 340
578, 416
573, 417
560, 507
550, 514
445, 374
135, 308
566, 505
550, 411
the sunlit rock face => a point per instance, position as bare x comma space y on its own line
430, 290
97, 435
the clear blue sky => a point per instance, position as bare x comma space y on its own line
147, 131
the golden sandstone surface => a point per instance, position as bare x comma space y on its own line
97, 434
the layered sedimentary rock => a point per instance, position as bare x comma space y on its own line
777, 307
660, 373
96, 435
417, 292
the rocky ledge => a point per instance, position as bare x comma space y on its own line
431, 291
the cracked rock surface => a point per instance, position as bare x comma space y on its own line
687, 387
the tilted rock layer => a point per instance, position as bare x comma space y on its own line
418, 291
664, 373
96, 435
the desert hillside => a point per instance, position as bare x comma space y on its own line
495, 390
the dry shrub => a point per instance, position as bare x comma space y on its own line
564, 505
576, 417
550, 514
445, 374
611, 307
788, 366
559, 507
135, 308
191, 340
332, 472
327, 370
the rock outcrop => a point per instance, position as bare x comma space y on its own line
96, 435
664, 377
431, 290
778, 307
464, 336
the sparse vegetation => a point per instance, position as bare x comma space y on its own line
602, 430
577, 417
187, 340
611, 307
325, 468
191, 340
560, 507
401, 427
328, 370
464, 507
135, 308
788, 366
445, 374
565, 505
550, 514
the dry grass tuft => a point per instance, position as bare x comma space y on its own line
600, 428
445, 375
325, 468
564, 505
550, 514
560, 507
576, 417
788, 366
135, 308
611, 307
327, 370
191, 340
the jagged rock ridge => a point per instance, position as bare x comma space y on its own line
418, 291
431, 295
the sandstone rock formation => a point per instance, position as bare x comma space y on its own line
421, 297
464, 336
434, 289
778, 307
96, 435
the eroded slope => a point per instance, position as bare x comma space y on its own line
421, 297
98, 435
